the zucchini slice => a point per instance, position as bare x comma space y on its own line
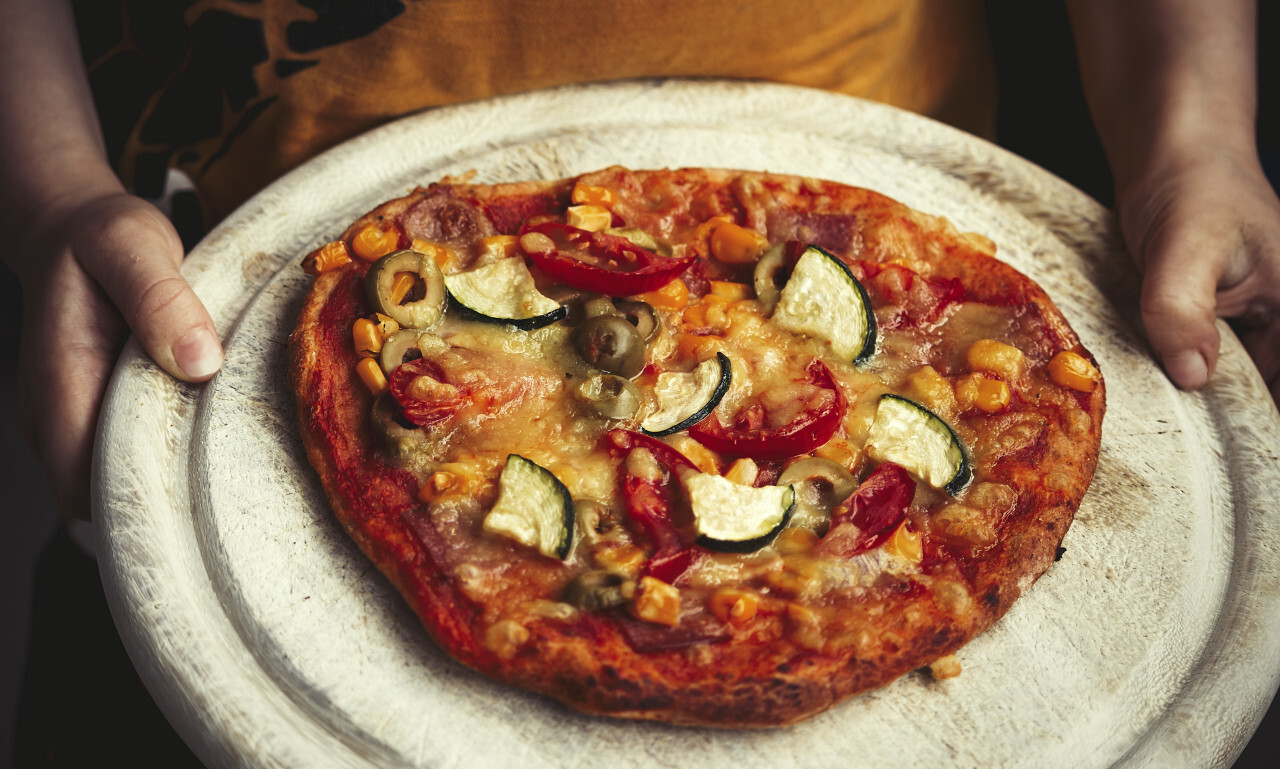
734, 518
912, 436
502, 291
823, 300
686, 398
534, 508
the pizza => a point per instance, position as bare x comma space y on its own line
702, 446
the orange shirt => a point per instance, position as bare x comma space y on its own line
264, 86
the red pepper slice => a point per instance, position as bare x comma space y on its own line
747, 439
653, 503
597, 261
870, 515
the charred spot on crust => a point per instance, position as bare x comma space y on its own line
1057, 556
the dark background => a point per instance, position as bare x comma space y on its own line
81, 703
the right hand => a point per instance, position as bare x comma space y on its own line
1205, 227
94, 266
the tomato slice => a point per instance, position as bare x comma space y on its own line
870, 515
462, 385
425, 409
653, 503
597, 261
747, 439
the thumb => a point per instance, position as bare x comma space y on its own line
135, 258
1179, 310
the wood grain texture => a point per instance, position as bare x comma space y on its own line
270, 641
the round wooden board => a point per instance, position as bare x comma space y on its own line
269, 640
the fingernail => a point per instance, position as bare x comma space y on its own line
1188, 369
198, 354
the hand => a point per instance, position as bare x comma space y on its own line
93, 268
1206, 232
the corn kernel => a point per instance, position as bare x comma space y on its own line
368, 341
734, 244
729, 290
743, 471
842, 452
933, 390
443, 256
695, 315
697, 347
372, 242
804, 627
734, 606
588, 217
438, 486
505, 637
590, 194
795, 540
703, 458
905, 544
983, 393
798, 576
657, 602
709, 314
945, 667
371, 374
717, 317
500, 246
998, 357
993, 395
672, 296
1072, 370
387, 326
330, 256
619, 558
452, 479
401, 285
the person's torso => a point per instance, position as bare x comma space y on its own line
235, 94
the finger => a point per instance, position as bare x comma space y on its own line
1263, 344
135, 258
1179, 309
70, 341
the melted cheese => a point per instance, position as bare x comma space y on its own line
545, 422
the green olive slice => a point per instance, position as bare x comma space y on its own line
612, 396
597, 305
399, 437
641, 315
820, 485
421, 313
597, 589
406, 345
765, 280
610, 343
401, 346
